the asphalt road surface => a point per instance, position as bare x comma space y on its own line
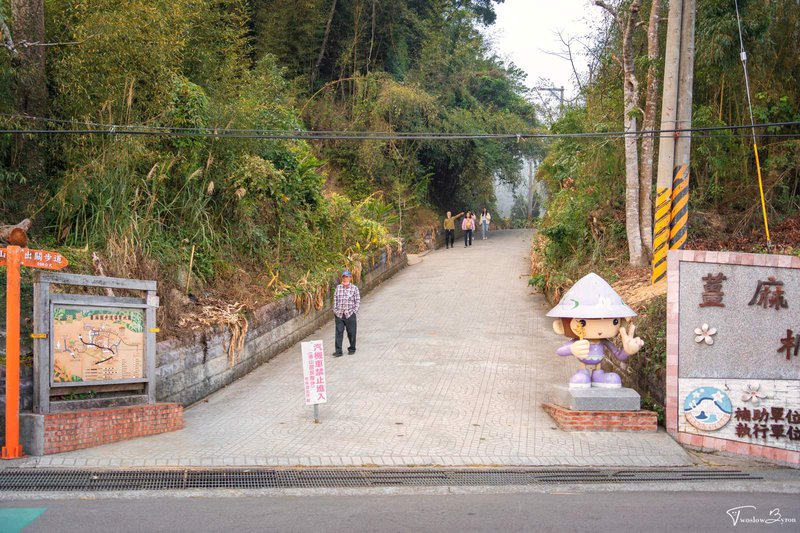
561, 512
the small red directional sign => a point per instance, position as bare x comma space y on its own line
37, 259
43, 259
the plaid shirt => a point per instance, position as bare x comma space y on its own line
346, 300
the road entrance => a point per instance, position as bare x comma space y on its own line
455, 358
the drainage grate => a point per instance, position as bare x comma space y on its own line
29, 479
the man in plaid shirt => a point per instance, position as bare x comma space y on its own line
346, 300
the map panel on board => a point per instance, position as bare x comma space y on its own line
97, 343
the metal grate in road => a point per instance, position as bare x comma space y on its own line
47, 480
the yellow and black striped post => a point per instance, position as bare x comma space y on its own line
680, 208
661, 233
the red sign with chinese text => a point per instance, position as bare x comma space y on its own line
43, 259
37, 259
314, 373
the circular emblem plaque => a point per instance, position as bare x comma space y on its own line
707, 408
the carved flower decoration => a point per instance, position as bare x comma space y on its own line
751, 393
704, 333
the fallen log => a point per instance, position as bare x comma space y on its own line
16, 234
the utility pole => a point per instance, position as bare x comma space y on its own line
683, 143
672, 193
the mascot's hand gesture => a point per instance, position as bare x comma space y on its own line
580, 348
630, 344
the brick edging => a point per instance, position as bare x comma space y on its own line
571, 420
74, 430
707, 443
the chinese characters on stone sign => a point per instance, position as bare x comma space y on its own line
712, 290
756, 423
769, 294
766, 297
790, 344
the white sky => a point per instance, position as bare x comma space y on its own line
526, 29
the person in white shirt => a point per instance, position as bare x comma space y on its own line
486, 219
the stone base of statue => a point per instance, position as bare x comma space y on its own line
599, 409
596, 399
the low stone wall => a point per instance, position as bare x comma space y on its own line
189, 369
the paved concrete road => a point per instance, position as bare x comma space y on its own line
611, 512
455, 358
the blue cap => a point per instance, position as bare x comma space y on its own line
347, 273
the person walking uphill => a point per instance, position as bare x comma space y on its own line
468, 225
486, 219
346, 299
449, 225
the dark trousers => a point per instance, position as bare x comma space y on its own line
348, 324
449, 237
468, 237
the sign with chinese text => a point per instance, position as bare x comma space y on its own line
43, 259
733, 337
314, 372
97, 343
37, 259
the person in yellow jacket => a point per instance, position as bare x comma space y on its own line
450, 229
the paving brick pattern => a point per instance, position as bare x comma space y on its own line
455, 359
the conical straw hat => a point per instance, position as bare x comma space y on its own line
591, 297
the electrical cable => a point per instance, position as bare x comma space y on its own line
140, 129
743, 56
383, 136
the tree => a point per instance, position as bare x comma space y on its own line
26, 42
627, 24
638, 173
649, 124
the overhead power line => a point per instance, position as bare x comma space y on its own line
271, 134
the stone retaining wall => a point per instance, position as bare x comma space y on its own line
189, 369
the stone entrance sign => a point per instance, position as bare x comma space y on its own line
733, 362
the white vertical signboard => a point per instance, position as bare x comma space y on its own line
314, 374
